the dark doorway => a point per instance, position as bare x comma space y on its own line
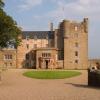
46, 64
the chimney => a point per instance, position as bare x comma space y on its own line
51, 26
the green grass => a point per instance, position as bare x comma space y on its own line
51, 74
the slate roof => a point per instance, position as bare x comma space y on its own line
38, 34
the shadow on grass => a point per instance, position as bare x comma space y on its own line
83, 86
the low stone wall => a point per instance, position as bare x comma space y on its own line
60, 64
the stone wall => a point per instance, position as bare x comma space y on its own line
26, 47
75, 44
46, 54
60, 64
8, 58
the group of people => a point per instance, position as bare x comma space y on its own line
96, 67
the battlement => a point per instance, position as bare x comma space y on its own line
70, 26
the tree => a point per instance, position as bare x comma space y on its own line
1, 3
9, 31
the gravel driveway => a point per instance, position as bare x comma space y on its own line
15, 86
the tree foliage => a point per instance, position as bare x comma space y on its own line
8, 28
1, 4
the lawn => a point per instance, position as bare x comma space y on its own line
51, 74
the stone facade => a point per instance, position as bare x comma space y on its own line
65, 47
71, 39
8, 58
29, 48
75, 44
46, 58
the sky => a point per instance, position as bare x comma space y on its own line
32, 15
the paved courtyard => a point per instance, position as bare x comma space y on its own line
15, 86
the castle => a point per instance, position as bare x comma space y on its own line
65, 48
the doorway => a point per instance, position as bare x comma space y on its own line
46, 61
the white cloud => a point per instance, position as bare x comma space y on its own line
89, 8
28, 4
77, 9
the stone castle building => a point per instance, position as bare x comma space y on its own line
65, 47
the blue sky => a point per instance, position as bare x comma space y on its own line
37, 14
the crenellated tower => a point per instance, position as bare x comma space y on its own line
75, 44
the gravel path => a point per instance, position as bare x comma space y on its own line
15, 86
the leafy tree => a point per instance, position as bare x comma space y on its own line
1, 3
9, 31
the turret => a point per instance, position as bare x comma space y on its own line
51, 26
66, 28
86, 25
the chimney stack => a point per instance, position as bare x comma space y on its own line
51, 26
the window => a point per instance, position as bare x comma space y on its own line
7, 57
5, 64
27, 65
32, 57
35, 45
76, 44
42, 54
10, 56
27, 46
49, 54
76, 53
27, 56
46, 54
76, 61
76, 28
10, 64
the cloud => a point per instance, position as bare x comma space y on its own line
28, 4
75, 8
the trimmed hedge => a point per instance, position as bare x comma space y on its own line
94, 78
